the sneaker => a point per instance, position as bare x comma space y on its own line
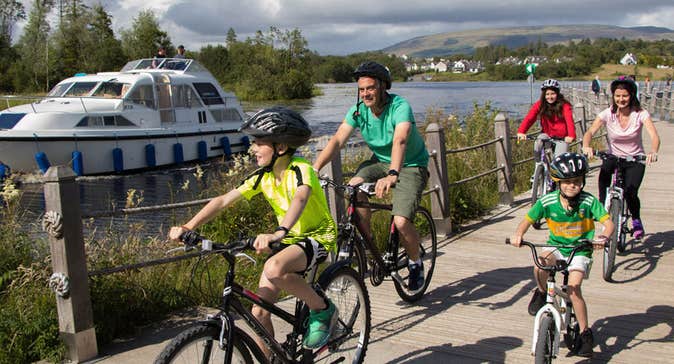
416, 278
537, 301
584, 344
321, 325
637, 229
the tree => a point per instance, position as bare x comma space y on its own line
33, 71
10, 12
144, 37
71, 39
231, 37
106, 50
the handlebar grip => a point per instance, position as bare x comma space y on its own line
507, 241
190, 238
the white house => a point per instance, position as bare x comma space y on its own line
628, 59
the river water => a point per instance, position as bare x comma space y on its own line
324, 114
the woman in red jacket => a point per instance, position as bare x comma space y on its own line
556, 118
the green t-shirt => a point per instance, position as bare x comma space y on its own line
565, 228
378, 131
315, 221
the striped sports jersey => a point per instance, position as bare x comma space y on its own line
566, 227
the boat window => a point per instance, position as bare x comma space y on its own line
142, 95
227, 114
196, 67
208, 93
174, 64
9, 120
114, 90
184, 96
104, 120
81, 88
59, 89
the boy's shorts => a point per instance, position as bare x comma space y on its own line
313, 250
578, 263
407, 191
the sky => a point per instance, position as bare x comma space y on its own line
348, 26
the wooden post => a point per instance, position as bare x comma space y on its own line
63, 224
503, 159
579, 114
334, 171
438, 180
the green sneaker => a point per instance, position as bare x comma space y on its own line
321, 325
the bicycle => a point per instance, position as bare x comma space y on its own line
219, 339
557, 313
352, 246
541, 182
617, 208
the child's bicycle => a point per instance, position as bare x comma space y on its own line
617, 208
557, 314
218, 338
393, 262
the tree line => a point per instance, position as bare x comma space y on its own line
272, 65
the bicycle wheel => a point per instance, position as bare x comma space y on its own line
622, 238
348, 343
200, 344
538, 187
615, 210
428, 249
545, 344
358, 258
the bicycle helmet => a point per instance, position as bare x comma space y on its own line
550, 83
567, 166
278, 125
628, 83
375, 70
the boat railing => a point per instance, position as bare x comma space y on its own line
34, 101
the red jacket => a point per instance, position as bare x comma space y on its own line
555, 128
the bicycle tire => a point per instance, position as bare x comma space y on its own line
358, 258
545, 344
196, 341
349, 342
423, 221
615, 210
622, 241
538, 185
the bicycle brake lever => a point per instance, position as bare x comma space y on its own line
247, 257
171, 251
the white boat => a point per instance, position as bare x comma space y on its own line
152, 113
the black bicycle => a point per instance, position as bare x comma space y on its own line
541, 182
394, 261
617, 208
218, 338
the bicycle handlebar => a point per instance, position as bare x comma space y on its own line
585, 243
606, 155
192, 240
365, 187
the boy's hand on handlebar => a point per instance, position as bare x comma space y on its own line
263, 241
599, 242
516, 241
176, 232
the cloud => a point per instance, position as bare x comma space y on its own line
347, 26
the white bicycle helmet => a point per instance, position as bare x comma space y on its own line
550, 83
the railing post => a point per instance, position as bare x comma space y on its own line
334, 171
63, 223
504, 159
438, 179
579, 114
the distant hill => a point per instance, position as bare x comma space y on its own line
466, 41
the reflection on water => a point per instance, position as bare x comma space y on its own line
324, 113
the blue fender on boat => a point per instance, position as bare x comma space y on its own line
78, 163
118, 159
150, 158
226, 146
246, 142
42, 161
178, 153
202, 149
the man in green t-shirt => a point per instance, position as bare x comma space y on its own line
570, 214
305, 225
399, 158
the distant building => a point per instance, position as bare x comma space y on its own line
537, 60
628, 59
441, 67
509, 61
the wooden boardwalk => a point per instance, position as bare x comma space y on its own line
475, 310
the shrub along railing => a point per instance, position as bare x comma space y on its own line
63, 223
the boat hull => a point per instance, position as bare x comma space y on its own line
19, 152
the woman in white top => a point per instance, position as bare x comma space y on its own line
624, 122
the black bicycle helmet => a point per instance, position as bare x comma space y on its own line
278, 125
375, 70
568, 165
550, 83
629, 84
